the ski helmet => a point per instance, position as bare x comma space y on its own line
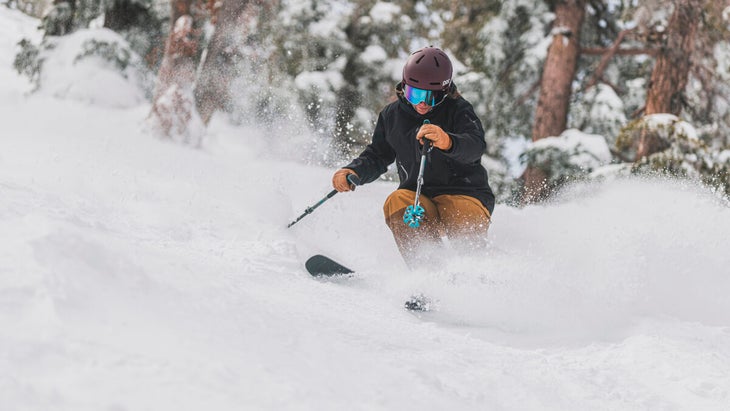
428, 69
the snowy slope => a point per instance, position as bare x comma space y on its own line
139, 274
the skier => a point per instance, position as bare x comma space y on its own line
455, 193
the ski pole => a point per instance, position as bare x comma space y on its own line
414, 213
351, 178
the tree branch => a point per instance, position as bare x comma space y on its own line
599, 51
607, 56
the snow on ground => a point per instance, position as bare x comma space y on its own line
140, 274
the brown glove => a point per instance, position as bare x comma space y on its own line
339, 180
438, 136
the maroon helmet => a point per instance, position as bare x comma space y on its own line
428, 69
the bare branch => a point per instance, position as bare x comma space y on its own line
598, 73
599, 51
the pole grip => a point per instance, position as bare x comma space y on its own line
427, 144
353, 179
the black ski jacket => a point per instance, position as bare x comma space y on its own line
456, 171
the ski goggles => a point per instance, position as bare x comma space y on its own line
416, 95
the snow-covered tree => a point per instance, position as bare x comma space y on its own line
683, 83
34, 8
571, 156
680, 153
142, 22
345, 58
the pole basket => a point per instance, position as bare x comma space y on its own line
413, 216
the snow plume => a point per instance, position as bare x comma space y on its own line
592, 264
175, 116
174, 113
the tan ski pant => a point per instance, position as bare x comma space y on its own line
462, 219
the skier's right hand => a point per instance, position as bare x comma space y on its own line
339, 180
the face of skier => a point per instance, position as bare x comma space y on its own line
422, 108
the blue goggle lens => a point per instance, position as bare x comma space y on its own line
417, 95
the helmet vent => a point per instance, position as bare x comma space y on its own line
436, 61
419, 59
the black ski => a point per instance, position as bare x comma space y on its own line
321, 266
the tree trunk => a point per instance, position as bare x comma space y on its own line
235, 19
173, 109
551, 115
671, 70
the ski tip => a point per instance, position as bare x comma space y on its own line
321, 266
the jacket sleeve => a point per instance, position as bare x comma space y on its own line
376, 157
467, 136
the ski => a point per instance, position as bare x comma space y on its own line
321, 266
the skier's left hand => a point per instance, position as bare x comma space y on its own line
438, 136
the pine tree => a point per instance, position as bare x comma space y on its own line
551, 114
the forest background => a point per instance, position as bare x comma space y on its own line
567, 90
